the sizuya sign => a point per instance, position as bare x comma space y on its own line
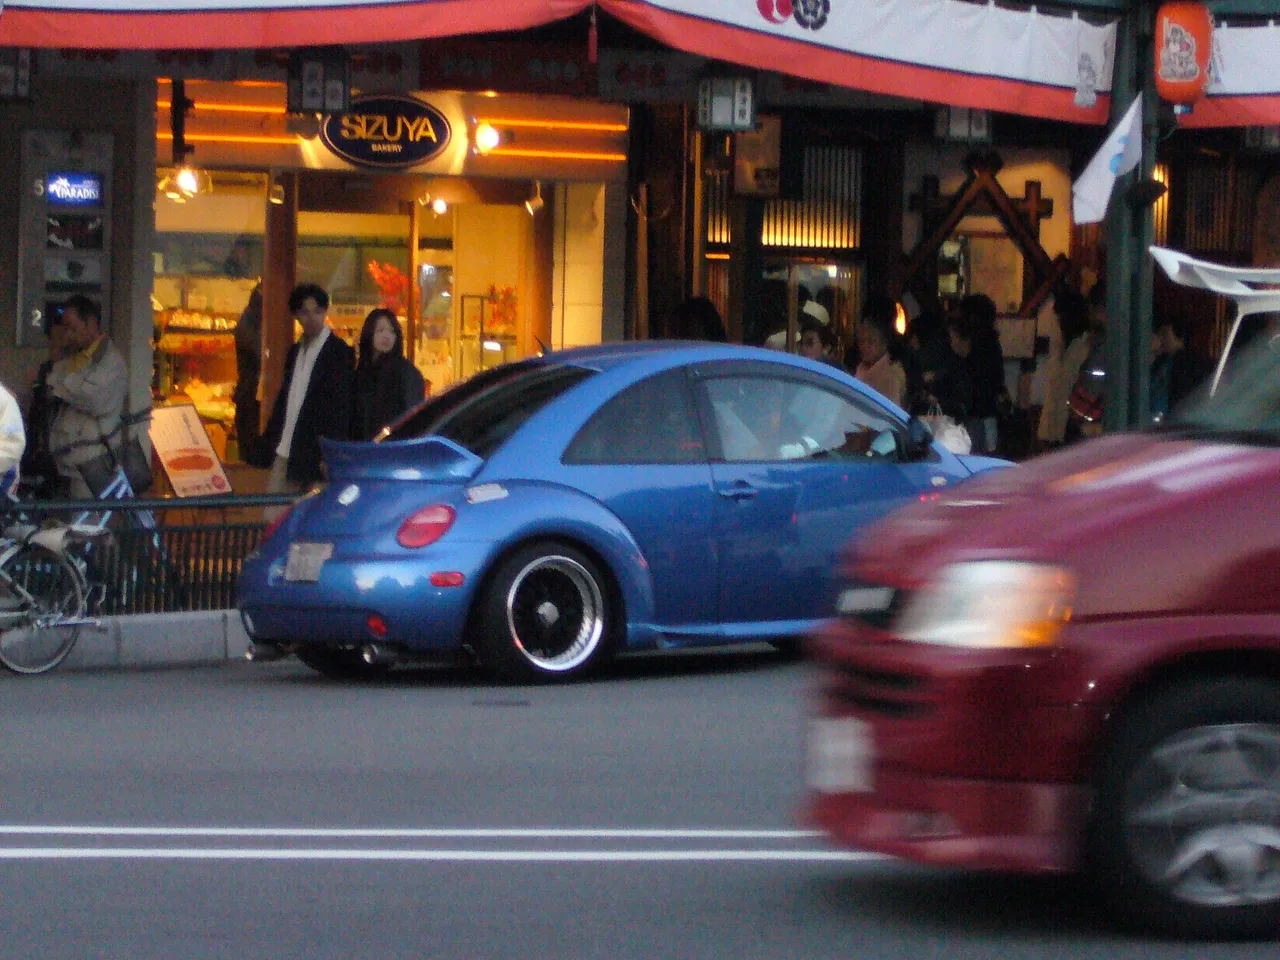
387, 131
74, 189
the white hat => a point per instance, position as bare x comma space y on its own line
816, 310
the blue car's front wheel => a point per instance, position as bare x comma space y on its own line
546, 614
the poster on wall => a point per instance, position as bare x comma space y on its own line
188, 458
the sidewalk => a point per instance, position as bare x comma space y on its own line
156, 640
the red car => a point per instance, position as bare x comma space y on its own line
1075, 665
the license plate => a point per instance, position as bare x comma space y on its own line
841, 756
305, 561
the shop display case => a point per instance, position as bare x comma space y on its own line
195, 321
487, 337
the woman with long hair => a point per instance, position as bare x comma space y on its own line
387, 384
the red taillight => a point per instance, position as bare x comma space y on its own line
275, 524
426, 526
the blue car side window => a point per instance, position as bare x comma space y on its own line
766, 419
649, 422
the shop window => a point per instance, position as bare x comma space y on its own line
207, 258
651, 422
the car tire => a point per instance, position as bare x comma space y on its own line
545, 615
1184, 836
341, 663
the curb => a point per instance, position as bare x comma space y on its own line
158, 640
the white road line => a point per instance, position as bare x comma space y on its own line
409, 833
441, 856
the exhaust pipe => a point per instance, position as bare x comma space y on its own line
265, 652
379, 655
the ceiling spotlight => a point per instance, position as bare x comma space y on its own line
187, 181
439, 206
487, 138
535, 203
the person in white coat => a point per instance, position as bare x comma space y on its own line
13, 441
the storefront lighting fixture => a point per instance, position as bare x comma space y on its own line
275, 193
493, 346
232, 138
535, 203
487, 138
559, 155
439, 206
227, 108
553, 125
187, 181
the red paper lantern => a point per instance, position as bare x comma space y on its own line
1184, 43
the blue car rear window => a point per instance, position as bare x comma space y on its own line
480, 417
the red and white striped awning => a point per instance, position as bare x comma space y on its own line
978, 55
248, 24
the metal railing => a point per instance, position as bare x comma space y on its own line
189, 562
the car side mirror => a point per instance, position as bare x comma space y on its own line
919, 439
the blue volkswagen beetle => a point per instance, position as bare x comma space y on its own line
549, 513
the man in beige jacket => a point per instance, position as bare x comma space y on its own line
88, 385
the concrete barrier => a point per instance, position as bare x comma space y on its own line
156, 640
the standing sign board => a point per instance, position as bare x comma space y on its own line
183, 446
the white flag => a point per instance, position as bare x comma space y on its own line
1120, 154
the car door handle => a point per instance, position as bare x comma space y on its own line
741, 490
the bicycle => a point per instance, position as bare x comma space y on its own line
47, 590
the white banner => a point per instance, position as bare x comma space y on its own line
946, 51
1244, 79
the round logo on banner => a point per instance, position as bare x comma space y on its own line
812, 14
775, 11
387, 131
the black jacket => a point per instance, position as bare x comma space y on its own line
325, 411
385, 388
985, 366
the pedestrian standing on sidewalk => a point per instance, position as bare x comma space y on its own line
387, 384
89, 386
314, 399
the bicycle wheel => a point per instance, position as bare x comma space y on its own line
42, 589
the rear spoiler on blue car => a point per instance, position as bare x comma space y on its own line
423, 458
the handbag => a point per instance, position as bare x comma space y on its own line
952, 435
130, 457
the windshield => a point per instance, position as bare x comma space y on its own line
483, 412
1246, 406
421, 420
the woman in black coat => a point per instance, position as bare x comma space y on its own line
387, 384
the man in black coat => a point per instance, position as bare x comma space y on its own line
314, 399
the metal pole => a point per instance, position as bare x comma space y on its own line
1122, 258
1140, 321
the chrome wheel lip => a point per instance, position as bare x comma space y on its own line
590, 630
1202, 815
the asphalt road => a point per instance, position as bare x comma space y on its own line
257, 811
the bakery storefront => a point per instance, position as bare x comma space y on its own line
492, 224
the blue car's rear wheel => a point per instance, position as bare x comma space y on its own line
546, 615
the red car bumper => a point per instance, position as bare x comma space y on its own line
1024, 827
